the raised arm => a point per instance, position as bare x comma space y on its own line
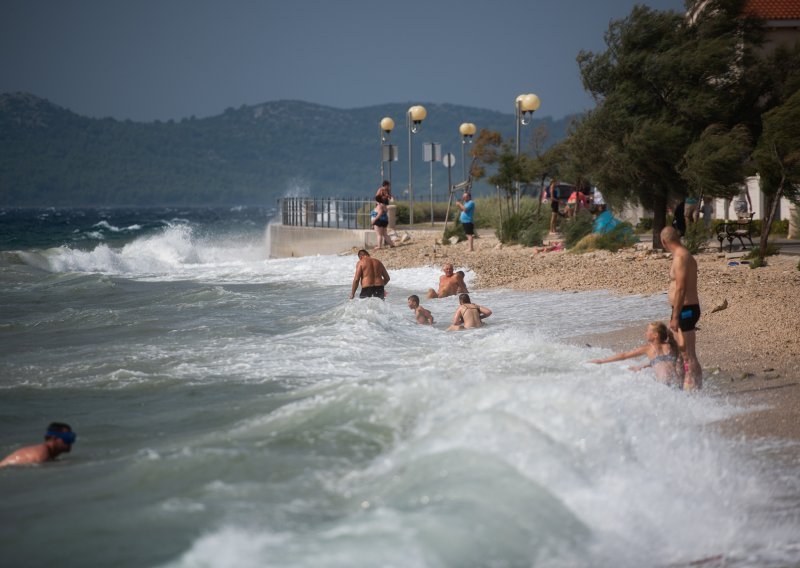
638, 352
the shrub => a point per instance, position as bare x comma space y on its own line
509, 230
455, 229
696, 237
577, 227
534, 234
621, 236
645, 225
527, 227
772, 250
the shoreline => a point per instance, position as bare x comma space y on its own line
748, 338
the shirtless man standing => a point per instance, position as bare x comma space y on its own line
372, 276
450, 283
685, 304
468, 315
57, 440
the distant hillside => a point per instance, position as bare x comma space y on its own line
50, 156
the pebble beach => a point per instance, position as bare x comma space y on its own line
748, 339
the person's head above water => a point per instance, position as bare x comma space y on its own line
413, 301
464, 299
362, 253
62, 432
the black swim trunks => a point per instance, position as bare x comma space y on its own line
469, 228
381, 222
688, 317
372, 292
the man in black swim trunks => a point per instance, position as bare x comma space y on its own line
371, 275
685, 304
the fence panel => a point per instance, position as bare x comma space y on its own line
329, 212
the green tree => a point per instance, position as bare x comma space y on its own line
660, 84
493, 153
777, 156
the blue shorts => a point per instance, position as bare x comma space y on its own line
688, 317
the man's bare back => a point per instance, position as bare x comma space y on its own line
370, 274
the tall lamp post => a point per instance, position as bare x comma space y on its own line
525, 106
467, 130
414, 117
387, 125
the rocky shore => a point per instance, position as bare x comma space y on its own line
748, 337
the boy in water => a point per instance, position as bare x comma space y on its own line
423, 316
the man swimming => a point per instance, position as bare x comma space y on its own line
371, 275
450, 283
57, 440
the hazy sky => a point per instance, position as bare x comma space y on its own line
148, 59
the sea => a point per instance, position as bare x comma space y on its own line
237, 410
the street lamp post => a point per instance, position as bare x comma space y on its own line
387, 125
414, 117
525, 106
467, 130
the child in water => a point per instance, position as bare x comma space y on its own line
661, 349
423, 316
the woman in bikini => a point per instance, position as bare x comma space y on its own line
380, 222
661, 349
468, 315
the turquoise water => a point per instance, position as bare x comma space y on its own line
235, 410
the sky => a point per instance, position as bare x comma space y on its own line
170, 59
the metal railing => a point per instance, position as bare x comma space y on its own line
329, 212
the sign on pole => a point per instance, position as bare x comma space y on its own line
431, 152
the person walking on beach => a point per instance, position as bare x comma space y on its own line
662, 350
466, 218
468, 315
371, 275
685, 304
450, 283
422, 315
554, 203
57, 440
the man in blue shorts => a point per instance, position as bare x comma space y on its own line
683, 299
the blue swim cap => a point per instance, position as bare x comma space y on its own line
67, 437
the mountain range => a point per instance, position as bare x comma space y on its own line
51, 156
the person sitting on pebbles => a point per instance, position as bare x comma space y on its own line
468, 315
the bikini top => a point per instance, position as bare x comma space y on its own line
666, 358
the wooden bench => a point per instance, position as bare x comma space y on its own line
740, 229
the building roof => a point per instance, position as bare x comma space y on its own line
773, 9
